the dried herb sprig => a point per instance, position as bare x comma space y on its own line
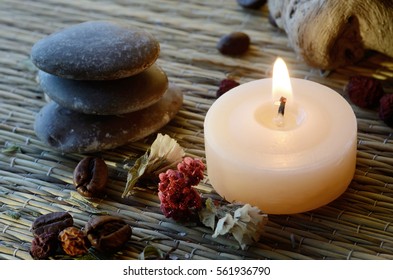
163, 154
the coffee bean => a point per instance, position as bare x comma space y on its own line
235, 43
90, 176
251, 4
107, 233
51, 223
43, 246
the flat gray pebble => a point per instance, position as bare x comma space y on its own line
69, 131
110, 97
96, 50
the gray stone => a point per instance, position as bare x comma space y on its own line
69, 131
96, 50
110, 97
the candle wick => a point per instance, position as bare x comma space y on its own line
281, 108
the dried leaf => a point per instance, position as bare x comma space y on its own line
208, 214
207, 218
13, 214
163, 154
151, 253
135, 172
87, 257
78, 200
79, 197
10, 150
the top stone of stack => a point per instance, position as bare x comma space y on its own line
96, 50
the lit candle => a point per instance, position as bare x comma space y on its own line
287, 160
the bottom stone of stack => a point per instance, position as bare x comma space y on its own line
69, 131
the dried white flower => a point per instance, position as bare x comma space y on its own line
224, 225
164, 154
244, 222
249, 224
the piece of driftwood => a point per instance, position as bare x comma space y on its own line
328, 34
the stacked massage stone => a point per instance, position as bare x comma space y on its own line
104, 86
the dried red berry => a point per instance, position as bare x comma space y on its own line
364, 92
235, 43
386, 109
251, 4
73, 241
225, 85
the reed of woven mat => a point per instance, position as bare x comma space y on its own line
35, 179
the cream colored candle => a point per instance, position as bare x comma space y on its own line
283, 164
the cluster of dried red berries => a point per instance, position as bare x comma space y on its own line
368, 93
179, 200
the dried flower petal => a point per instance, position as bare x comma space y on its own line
249, 224
224, 225
165, 153
249, 213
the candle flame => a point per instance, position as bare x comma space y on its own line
281, 82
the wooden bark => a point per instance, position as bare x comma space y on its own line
328, 34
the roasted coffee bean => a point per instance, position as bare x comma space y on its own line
107, 233
251, 4
51, 223
43, 246
90, 176
235, 43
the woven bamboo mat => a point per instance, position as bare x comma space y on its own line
35, 179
